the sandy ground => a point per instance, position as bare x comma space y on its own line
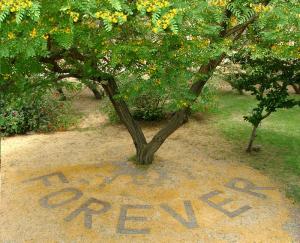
90, 109
78, 186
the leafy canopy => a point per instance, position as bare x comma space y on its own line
152, 44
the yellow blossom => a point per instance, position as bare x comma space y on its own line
15, 5
152, 5
112, 17
33, 33
218, 3
165, 21
74, 16
11, 36
258, 8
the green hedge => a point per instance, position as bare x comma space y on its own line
37, 111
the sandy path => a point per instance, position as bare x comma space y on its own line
89, 108
193, 192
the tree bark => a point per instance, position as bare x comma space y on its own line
252, 138
145, 155
296, 88
63, 97
177, 120
181, 117
98, 95
138, 137
145, 151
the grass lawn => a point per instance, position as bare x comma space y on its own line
279, 136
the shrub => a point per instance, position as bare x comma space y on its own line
145, 107
33, 112
207, 102
149, 107
152, 106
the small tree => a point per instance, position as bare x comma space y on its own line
177, 44
268, 80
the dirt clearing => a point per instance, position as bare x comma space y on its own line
78, 186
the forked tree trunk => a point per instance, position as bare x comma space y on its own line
252, 138
146, 154
145, 151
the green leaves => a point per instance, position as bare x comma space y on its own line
168, 40
3, 15
20, 15
64, 39
20, 9
241, 11
268, 79
116, 4
34, 11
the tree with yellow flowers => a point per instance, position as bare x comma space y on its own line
171, 46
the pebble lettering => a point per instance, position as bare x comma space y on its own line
94, 207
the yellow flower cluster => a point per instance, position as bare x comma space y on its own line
252, 47
218, 3
11, 36
152, 5
165, 21
74, 16
33, 33
258, 8
157, 82
15, 5
91, 24
233, 21
182, 104
6, 76
112, 17
203, 43
57, 30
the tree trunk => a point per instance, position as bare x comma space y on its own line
63, 97
145, 155
296, 88
125, 116
177, 120
93, 87
252, 138
241, 92
98, 95
181, 117
145, 151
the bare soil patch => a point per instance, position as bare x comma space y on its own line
196, 190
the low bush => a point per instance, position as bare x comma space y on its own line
40, 112
152, 106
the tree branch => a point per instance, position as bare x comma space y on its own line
111, 89
238, 28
